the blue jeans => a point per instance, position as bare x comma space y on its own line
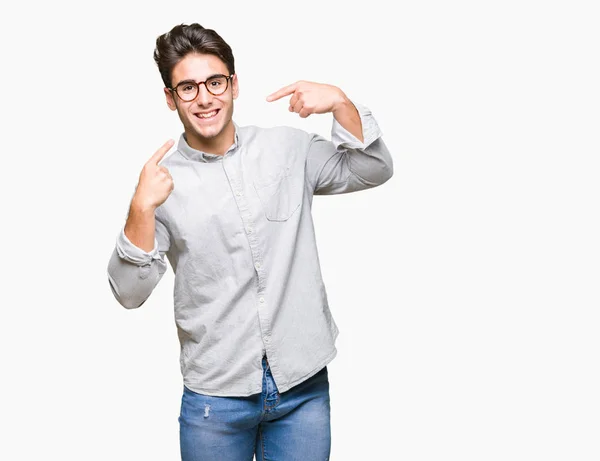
293, 426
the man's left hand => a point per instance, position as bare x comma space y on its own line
311, 98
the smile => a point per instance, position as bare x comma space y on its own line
207, 115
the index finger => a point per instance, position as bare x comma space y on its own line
285, 91
160, 153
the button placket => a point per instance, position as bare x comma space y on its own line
236, 185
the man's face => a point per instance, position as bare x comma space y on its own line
206, 119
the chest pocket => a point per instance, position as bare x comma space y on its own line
279, 194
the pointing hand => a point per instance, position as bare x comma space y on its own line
310, 97
155, 184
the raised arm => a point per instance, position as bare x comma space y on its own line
137, 262
356, 158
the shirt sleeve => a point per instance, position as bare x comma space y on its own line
132, 272
345, 164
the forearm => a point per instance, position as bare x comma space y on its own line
348, 117
140, 225
137, 263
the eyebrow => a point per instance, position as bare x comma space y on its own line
191, 80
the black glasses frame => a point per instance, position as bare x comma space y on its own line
197, 85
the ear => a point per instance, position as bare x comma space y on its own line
170, 101
235, 88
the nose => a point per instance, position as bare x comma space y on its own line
204, 97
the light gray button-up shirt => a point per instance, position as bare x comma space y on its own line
238, 232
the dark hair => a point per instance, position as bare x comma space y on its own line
181, 40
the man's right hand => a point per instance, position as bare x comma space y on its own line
155, 184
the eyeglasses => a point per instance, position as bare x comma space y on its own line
215, 85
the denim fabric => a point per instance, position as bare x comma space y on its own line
289, 426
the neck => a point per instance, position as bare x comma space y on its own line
217, 145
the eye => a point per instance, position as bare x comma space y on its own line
186, 88
217, 82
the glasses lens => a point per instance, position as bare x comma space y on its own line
187, 91
217, 85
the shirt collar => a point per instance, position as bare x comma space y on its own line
197, 155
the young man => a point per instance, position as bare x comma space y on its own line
231, 210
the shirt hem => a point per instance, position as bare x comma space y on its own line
310, 374
282, 389
220, 393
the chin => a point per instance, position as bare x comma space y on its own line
205, 132
209, 133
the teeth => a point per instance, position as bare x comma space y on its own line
211, 114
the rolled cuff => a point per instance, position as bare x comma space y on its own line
370, 130
129, 252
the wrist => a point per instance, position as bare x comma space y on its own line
138, 205
342, 104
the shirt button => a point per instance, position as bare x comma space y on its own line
238, 193
262, 300
257, 265
250, 230
267, 339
